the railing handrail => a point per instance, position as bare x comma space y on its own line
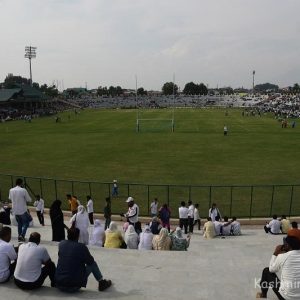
156, 184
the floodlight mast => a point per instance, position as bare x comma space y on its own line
30, 53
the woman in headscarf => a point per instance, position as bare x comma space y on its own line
98, 234
162, 241
113, 237
131, 238
146, 238
57, 221
179, 243
81, 220
155, 226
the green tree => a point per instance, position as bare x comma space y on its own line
202, 89
141, 91
169, 88
296, 88
191, 89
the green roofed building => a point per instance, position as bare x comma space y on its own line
23, 96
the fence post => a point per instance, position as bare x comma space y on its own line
251, 201
272, 200
41, 187
12, 181
231, 188
128, 190
108, 186
209, 206
72, 187
190, 193
90, 188
148, 196
55, 186
168, 195
291, 201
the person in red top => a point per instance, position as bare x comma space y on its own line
294, 231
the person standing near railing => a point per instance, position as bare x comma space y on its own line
73, 204
19, 198
90, 209
39, 207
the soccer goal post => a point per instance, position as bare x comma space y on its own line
155, 125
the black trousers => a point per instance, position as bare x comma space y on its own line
197, 222
91, 218
107, 222
270, 280
183, 223
191, 224
47, 270
40, 216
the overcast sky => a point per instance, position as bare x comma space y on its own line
107, 42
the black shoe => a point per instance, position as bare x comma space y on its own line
104, 284
21, 239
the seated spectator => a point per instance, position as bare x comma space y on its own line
113, 237
155, 226
82, 222
226, 227
286, 260
138, 227
285, 225
125, 226
162, 241
146, 238
8, 255
209, 229
273, 226
294, 231
235, 227
131, 238
75, 264
218, 225
33, 265
179, 243
5, 214
98, 234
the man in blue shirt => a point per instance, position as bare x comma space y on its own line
75, 264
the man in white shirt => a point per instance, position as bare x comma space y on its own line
133, 212
226, 227
286, 260
33, 264
218, 225
273, 226
197, 219
7, 255
235, 227
19, 198
39, 207
90, 209
191, 216
154, 208
183, 216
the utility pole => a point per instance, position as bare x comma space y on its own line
30, 53
253, 75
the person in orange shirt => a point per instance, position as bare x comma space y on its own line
294, 231
73, 204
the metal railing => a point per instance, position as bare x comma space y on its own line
245, 201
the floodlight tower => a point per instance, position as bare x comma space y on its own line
30, 53
253, 75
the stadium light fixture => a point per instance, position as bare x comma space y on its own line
30, 53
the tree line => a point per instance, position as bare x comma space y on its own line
168, 88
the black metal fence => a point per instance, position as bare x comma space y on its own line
233, 200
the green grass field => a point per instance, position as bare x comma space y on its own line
102, 145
